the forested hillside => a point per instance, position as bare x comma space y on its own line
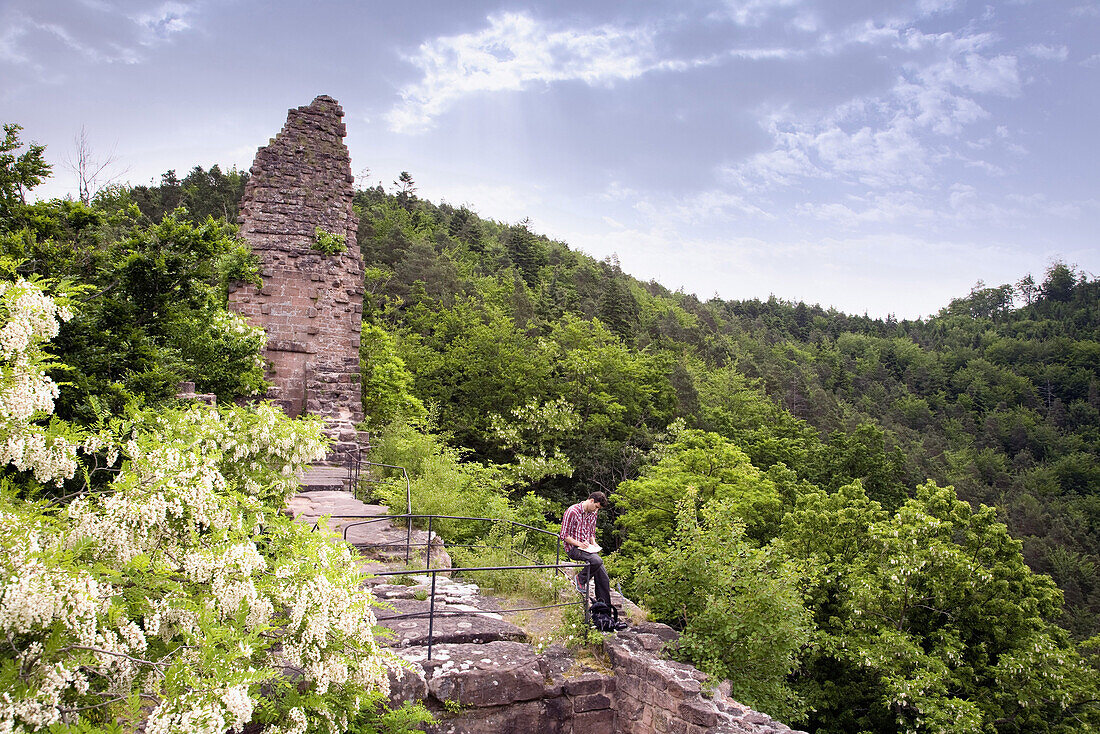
997, 395
781, 474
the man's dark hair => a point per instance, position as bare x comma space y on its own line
599, 497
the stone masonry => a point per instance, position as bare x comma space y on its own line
311, 303
486, 677
506, 687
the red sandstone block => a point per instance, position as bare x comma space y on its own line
699, 713
585, 684
594, 721
592, 702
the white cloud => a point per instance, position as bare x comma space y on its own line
931, 7
163, 21
10, 44
708, 206
499, 201
876, 209
962, 206
1041, 204
874, 155
44, 38
513, 53
975, 73
107, 53
755, 12
701, 207
1050, 53
896, 138
782, 166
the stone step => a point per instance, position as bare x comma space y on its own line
455, 622
322, 478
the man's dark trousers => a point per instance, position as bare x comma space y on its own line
595, 571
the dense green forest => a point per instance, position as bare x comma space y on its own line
867, 525
997, 395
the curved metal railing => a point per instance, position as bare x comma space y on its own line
557, 566
356, 463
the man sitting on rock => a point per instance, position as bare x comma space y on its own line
578, 532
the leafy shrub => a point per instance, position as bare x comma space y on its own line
738, 607
329, 243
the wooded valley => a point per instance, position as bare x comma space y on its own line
869, 525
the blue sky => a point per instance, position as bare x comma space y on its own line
878, 157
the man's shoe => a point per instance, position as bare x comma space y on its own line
582, 586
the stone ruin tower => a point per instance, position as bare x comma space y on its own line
311, 303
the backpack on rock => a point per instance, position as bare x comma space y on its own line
605, 617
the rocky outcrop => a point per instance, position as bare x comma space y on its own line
296, 214
657, 695
484, 676
506, 687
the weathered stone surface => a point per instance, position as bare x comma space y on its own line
531, 717
493, 674
301, 183
587, 684
407, 683
591, 702
662, 631
657, 695
698, 712
593, 722
453, 624
554, 662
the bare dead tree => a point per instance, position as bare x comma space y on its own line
93, 173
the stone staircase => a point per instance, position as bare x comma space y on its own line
325, 478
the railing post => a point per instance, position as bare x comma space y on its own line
587, 616
429, 544
409, 512
431, 616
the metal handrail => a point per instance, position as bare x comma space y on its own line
355, 463
557, 565
355, 482
367, 519
431, 598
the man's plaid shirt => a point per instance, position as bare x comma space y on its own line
578, 524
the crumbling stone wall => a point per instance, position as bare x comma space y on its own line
505, 687
654, 695
311, 303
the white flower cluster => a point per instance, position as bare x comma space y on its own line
39, 597
230, 575
235, 325
237, 328
328, 618
180, 525
25, 392
192, 713
297, 724
30, 447
30, 319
